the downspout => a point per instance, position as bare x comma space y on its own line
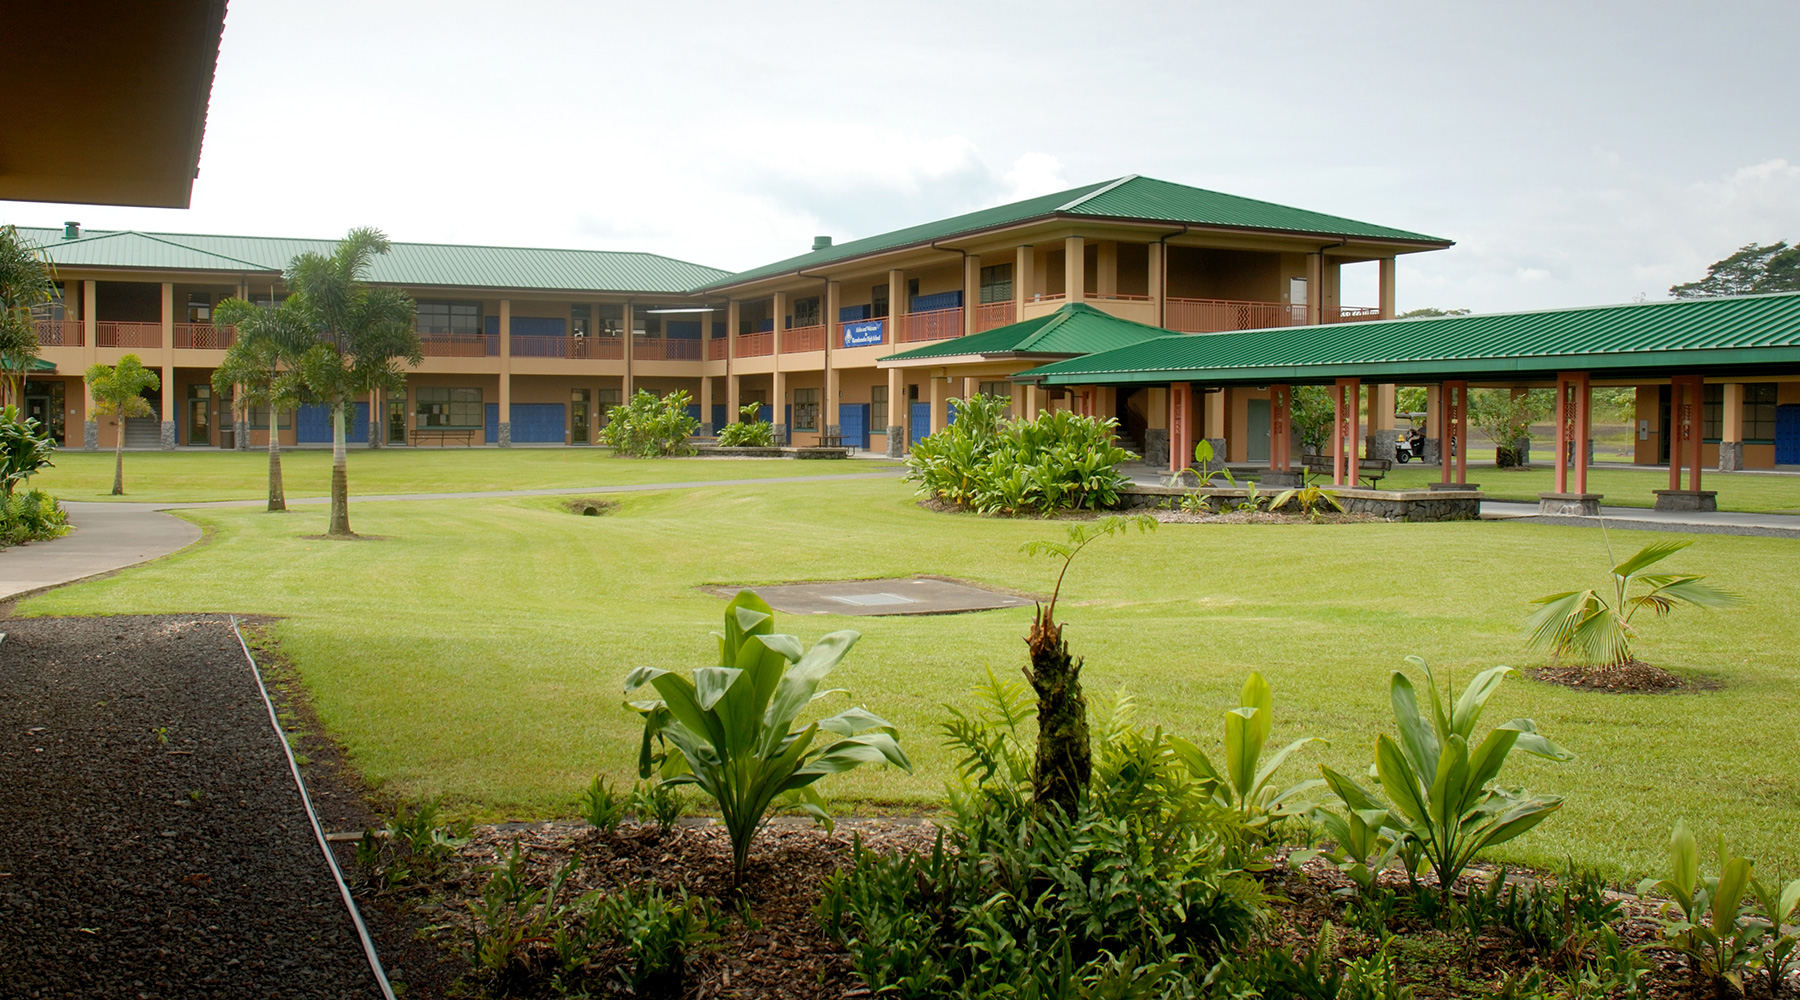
961, 276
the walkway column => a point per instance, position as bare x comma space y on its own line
706, 405
1387, 288
1155, 281
896, 411
504, 434
168, 368
1686, 396
1074, 269
934, 394
1453, 433
1346, 399
1731, 431
734, 388
1433, 448
828, 385
1181, 451
1315, 290
1381, 422
90, 427
1022, 290
1106, 268
1214, 424
1280, 427
778, 306
627, 335
1574, 415
897, 306
1031, 400
971, 291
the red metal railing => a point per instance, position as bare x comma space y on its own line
993, 314
803, 338
566, 348
939, 324
453, 345
716, 349
61, 333
1117, 297
204, 336
128, 334
1351, 314
755, 345
1218, 315
665, 349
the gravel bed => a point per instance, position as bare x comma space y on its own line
155, 845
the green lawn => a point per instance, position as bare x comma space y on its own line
180, 476
476, 653
1759, 492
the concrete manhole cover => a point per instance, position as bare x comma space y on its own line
919, 595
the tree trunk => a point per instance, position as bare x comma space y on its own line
1065, 760
374, 421
119, 459
277, 496
340, 483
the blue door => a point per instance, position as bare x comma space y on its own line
718, 416
921, 421
312, 425
693, 411
1787, 435
766, 414
491, 426
853, 424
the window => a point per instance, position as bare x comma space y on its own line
446, 406
259, 419
199, 307
878, 301
806, 409
449, 317
878, 415
610, 319
1759, 413
1001, 389
997, 283
1712, 413
580, 318
806, 312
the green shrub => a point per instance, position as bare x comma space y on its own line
648, 427
1001, 465
657, 802
733, 725
1707, 920
31, 516
25, 449
1128, 896
1245, 785
750, 431
601, 806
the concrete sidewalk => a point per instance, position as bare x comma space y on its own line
1723, 522
105, 537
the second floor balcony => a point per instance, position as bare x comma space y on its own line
1223, 315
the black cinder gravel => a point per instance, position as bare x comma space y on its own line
152, 842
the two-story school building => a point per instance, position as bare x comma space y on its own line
531, 346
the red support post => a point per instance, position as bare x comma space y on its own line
1337, 433
1584, 428
1180, 451
1564, 417
1280, 417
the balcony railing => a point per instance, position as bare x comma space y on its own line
112, 334
453, 345
567, 348
939, 324
61, 333
803, 338
989, 315
1351, 314
204, 336
716, 349
755, 345
1219, 315
1116, 297
665, 349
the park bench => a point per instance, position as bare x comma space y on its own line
443, 435
1371, 469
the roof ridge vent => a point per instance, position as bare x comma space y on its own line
71, 230
821, 243
1097, 192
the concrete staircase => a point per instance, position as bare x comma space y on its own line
143, 433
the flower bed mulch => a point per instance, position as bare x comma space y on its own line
1635, 677
155, 845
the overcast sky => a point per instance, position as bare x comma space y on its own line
1578, 153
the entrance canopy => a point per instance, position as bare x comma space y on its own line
1723, 336
1073, 330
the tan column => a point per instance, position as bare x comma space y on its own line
934, 393
168, 364
971, 292
1074, 269
627, 335
1155, 279
1106, 268
1022, 279
706, 404
828, 405
896, 414
1040, 272
90, 356
778, 305
734, 389
1315, 287
1731, 433
1387, 288
1031, 401
505, 420
1214, 426
778, 400
896, 309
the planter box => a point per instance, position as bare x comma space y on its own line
1392, 505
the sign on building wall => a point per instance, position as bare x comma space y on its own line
863, 334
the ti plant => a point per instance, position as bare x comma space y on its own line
734, 724
1585, 627
1362, 835
1436, 785
1704, 918
1310, 498
1778, 913
1246, 782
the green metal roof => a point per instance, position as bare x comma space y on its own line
406, 264
1130, 197
1076, 328
1680, 335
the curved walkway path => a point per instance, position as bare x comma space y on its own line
111, 536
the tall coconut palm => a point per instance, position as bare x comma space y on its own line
360, 335
118, 392
264, 360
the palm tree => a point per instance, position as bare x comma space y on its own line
359, 337
264, 359
119, 391
24, 283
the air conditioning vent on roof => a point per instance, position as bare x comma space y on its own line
821, 242
71, 230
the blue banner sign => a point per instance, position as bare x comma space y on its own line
865, 333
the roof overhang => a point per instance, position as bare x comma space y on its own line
939, 361
107, 100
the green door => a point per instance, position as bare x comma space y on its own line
1258, 431
578, 417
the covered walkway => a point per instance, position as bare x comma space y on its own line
1686, 346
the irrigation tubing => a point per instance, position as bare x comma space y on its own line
337, 874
